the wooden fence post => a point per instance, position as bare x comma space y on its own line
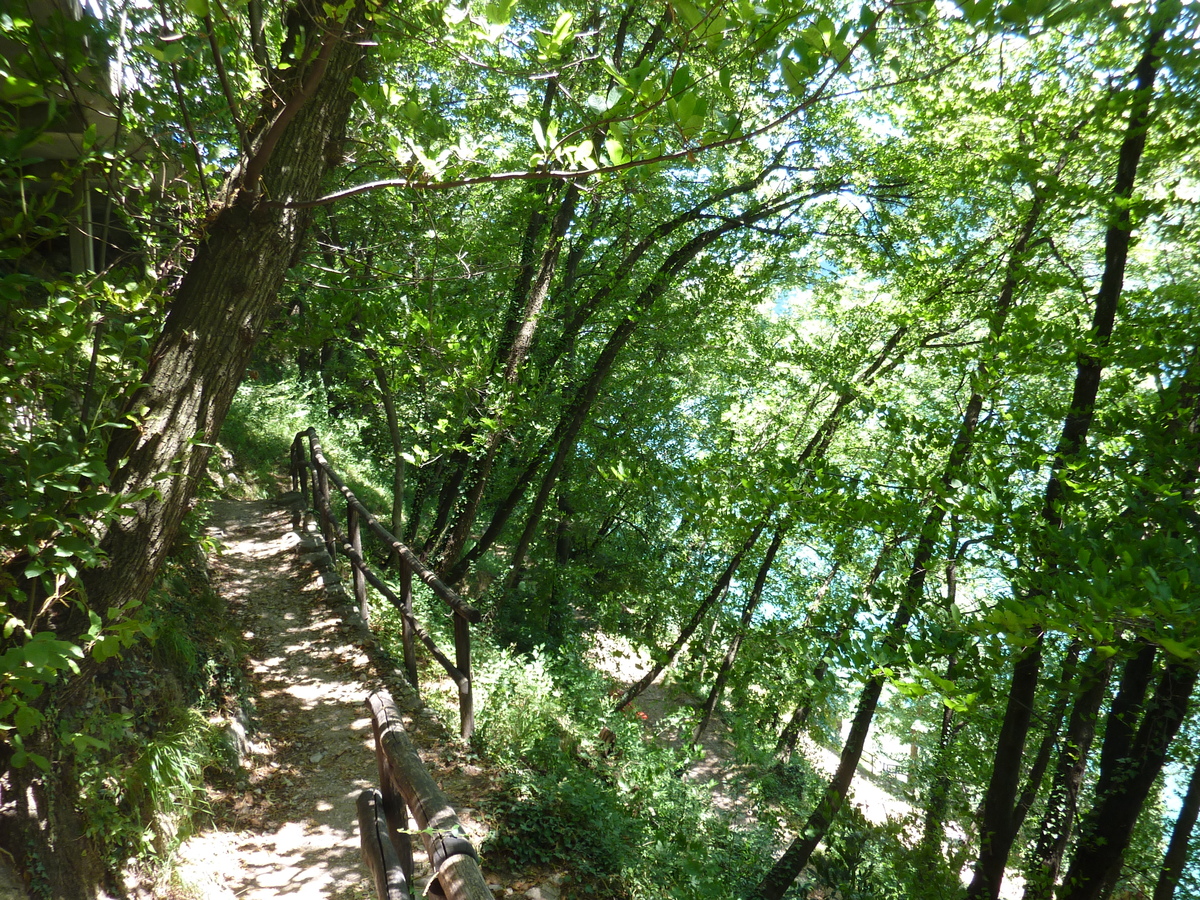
325, 512
360, 580
462, 661
406, 601
294, 465
300, 468
388, 870
393, 805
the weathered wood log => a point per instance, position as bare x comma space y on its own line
452, 858
387, 868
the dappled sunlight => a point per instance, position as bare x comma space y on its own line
290, 829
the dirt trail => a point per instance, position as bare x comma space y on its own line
289, 829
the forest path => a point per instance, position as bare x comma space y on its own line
288, 827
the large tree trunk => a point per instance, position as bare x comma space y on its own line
215, 318
1062, 801
1106, 830
997, 823
212, 323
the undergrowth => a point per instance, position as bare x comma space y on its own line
265, 418
588, 793
148, 729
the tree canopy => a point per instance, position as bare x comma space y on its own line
841, 357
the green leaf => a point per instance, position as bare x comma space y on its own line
20, 91
27, 719
499, 12
198, 8
616, 151
691, 15
795, 77
1176, 649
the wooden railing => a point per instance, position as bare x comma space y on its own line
313, 469
383, 820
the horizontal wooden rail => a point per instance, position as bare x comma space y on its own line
447, 594
407, 786
317, 470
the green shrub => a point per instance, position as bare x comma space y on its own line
863, 861
616, 816
521, 717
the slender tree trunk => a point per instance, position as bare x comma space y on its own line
398, 448
781, 875
1181, 836
718, 589
795, 858
814, 449
618, 278
997, 820
420, 492
1106, 831
938, 801
500, 516
751, 604
785, 746
1120, 729
1062, 801
996, 826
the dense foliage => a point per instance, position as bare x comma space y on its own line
841, 358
